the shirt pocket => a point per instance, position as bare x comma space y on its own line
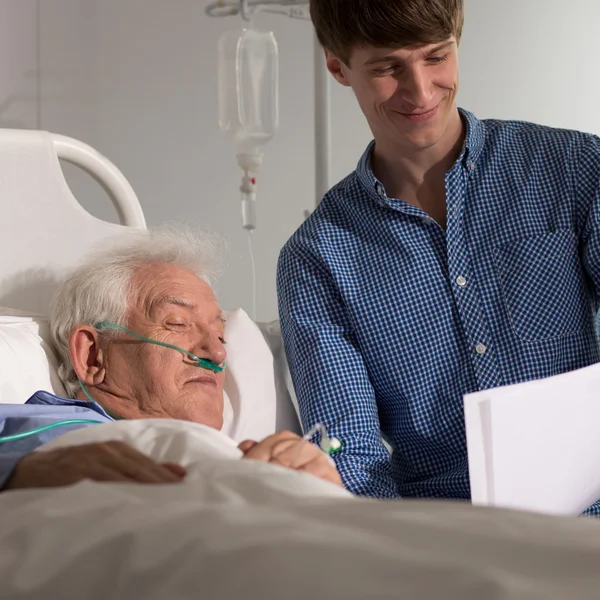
542, 286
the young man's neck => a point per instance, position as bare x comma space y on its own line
419, 177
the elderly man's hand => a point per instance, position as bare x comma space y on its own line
290, 450
105, 461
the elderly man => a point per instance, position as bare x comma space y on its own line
140, 335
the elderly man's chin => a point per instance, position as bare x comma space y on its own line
203, 404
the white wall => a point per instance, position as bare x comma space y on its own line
19, 100
536, 60
137, 80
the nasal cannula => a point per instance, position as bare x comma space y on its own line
202, 362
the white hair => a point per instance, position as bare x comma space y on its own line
100, 289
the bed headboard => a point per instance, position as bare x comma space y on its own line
44, 231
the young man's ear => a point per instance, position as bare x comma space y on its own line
86, 354
337, 68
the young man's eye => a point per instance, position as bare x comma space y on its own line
386, 71
436, 60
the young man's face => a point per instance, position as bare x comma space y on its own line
407, 95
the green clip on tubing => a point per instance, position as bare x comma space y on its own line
202, 362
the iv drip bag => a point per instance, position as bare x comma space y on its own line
248, 88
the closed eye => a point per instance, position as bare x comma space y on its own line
386, 71
436, 60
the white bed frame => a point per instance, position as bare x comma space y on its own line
44, 231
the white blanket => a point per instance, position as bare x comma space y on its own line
244, 529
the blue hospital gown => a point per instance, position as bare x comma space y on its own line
41, 409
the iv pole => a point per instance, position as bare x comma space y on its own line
322, 81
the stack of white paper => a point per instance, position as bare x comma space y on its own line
536, 446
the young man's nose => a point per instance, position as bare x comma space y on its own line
416, 90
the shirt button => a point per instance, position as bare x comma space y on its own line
461, 281
427, 220
472, 166
480, 349
379, 189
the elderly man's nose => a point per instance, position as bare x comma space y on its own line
218, 352
211, 347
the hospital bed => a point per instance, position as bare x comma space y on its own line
44, 232
236, 529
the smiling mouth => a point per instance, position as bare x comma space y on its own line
422, 116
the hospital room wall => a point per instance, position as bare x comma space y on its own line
137, 80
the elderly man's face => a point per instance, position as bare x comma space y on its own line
169, 305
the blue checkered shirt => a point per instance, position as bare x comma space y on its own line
388, 320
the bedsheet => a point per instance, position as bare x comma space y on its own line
243, 529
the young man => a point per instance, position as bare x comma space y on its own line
460, 255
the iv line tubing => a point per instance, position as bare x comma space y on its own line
253, 267
24, 434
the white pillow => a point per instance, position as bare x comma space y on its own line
287, 403
249, 381
27, 361
256, 402
254, 384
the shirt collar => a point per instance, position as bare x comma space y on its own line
43, 397
472, 149
475, 138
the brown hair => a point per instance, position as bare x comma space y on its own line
343, 25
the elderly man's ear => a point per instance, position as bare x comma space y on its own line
87, 355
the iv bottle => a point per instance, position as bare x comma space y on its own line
248, 103
248, 88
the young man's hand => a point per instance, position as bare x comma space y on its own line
104, 461
290, 450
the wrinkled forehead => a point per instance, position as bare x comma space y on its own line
156, 287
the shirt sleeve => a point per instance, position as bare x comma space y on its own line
329, 375
587, 192
593, 510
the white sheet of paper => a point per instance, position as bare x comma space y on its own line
536, 445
